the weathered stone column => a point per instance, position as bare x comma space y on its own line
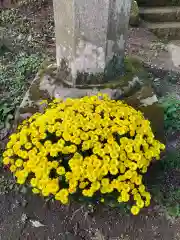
90, 39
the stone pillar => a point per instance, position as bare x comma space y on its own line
90, 39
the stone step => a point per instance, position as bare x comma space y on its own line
156, 3
166, 30
160, 14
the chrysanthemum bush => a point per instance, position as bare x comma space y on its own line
92, 146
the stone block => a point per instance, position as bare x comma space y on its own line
146, 101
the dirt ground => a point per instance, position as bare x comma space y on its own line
28, 217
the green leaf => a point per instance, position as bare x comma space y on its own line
174, 210
171, 110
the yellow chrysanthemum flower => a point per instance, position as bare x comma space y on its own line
91, 145
135, 210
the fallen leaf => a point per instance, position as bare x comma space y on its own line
36, 224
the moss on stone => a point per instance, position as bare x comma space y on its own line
132, 68
48, 68
134, 16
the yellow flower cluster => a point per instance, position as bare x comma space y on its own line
91, 145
